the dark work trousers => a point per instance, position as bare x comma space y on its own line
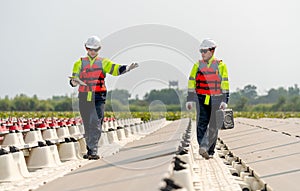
92, 114
207, 131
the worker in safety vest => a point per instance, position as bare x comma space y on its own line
89, 73
208, 86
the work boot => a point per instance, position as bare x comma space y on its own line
86, 156
93, 157
203, 153
211, 155
89, 152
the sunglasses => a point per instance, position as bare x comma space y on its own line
204, 50
91, 49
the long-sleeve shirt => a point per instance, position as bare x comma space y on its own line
108, 67
223, 73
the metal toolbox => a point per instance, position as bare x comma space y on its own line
224, 119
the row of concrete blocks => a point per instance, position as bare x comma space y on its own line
247, 178
181, 171
127, 131
16, 164
114, 124
28, 139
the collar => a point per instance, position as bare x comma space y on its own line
210, 61
92, 60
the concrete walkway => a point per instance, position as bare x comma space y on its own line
271, 147
142, 164
268, 147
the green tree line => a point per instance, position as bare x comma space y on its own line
246, 99
280, 99
23, 102
116, 100
156, 100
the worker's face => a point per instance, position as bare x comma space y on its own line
206, 54
92, 52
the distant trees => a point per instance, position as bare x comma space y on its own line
279, 99
167, 96
5, 104
169, 99
24, 103
246, 99
121, 95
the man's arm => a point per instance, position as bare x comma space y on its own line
192, 83
116, 69
75, 73
224, 81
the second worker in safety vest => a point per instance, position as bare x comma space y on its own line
208, 86
89, 73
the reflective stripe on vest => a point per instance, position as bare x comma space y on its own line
93, 76
208, 80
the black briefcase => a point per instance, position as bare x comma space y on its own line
224, 119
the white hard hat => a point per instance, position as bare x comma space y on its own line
93, 42
208, 43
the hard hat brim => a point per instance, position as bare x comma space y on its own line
206, 47
92, 47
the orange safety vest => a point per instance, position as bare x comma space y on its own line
208, 80
93, 76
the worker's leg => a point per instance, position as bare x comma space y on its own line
85, 110
203, 114
95, 124
100, 105
213, 131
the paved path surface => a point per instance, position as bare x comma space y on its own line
35, 179
212, 174
140, 165
269, 146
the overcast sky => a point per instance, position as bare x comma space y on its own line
41, 39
